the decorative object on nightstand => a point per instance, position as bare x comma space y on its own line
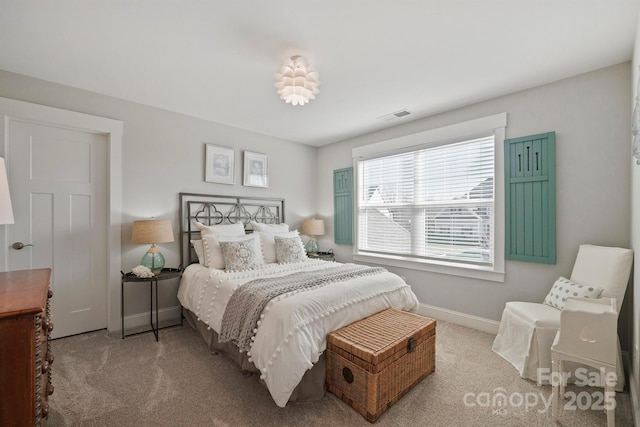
152, 231
6, 212
312, 228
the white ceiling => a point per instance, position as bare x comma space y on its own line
216, 59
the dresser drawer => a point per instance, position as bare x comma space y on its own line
25, 349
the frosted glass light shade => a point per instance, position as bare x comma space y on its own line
297, 81
6, 210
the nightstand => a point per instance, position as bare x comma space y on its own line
325, 256
165, 274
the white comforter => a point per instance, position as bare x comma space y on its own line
293, 330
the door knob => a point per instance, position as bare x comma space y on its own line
19, 245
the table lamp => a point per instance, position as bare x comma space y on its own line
6, 211
312, 228
152, 231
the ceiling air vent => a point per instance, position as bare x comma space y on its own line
396, 115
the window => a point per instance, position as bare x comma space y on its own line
432, 203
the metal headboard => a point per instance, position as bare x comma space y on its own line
211, 209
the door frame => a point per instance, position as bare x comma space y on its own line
11, 109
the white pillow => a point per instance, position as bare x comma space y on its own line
212, 253
241, 255
199, 249
269, 243
269, 228
564, 288
289, 249
236, 229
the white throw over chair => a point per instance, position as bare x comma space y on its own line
527, 329
587, 336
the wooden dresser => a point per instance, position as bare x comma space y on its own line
25, 350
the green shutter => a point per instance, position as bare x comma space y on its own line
530, 198
343, 206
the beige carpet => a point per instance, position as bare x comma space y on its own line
102, 380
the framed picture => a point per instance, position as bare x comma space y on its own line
255, 170
219, 164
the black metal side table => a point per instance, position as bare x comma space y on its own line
165, 274
325, 256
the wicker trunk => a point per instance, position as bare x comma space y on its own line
375, 361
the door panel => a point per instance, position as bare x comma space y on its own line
58, 187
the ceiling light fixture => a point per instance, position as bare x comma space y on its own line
297, 81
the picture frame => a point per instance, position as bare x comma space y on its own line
219, 164
255, 170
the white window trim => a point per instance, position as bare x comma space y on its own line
495, 124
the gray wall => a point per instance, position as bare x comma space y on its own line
590, 115
163, 154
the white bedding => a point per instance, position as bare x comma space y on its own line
292, 334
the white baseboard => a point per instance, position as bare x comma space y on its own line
463, 319
142, 319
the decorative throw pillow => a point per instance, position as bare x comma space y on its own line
236, 229
213, 251
289, 249
564, 288
269, 243
199, 249
269, 228
242, 255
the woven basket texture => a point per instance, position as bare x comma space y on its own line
373, 362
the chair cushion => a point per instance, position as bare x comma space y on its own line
540, 315
604, 267
565, 288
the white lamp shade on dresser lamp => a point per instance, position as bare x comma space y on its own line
6, 210
312, 228
152, 231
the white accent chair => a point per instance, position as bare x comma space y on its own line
587, 336
527, 329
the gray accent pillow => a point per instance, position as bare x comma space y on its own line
242, 255
289, 249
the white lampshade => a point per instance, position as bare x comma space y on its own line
6, 210
313, 227
297, 81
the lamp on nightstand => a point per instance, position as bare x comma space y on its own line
152, 231
312, 228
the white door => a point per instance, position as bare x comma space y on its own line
58, 185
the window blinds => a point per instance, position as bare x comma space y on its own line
435, 203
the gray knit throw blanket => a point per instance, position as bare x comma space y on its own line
247, 302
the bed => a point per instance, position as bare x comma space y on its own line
279, 335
